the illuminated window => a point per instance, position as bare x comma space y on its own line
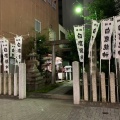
37, 25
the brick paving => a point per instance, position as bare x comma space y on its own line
53, 109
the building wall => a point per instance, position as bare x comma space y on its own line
18, 17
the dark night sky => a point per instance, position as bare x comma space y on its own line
69, 17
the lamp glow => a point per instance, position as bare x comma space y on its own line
78, 10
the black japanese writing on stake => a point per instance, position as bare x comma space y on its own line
106, 47
105, 54
5, 49
94, 30
6, 61
79, 35
81, 57
6, 55
13, 50
107, 31
19, 50
18, 44
80, 43
106, 39
81, 50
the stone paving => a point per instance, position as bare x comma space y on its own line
52, 109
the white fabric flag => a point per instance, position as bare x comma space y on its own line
95, 27
12, 50
107, 29
5, 49
18, 50
117, 34
79, 36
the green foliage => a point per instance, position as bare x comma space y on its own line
72, 54
41, 47
28, 45
101, 9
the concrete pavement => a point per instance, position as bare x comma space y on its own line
52, 109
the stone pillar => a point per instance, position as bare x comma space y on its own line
9, 84
5, 84
66, 75
85, 80
70, 75
76, 83
1, 83
94, 87
103, 87
112, 87
15, 85
22, 81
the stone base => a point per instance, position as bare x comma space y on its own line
34, 85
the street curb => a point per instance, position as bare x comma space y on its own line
51, 96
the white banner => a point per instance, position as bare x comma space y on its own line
107, 29
12, 50
79, 36
18, 50
117, 28
5, 49
95, 26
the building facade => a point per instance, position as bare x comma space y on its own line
27, 16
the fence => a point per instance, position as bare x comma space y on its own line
14, 84
95, 88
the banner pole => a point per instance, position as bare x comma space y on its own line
116, 78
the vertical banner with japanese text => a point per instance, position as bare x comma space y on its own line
107, 29
117, 34
18, 50
95, 27
5, 50
79, 37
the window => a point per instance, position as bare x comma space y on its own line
54, 4
37, 25
49, 1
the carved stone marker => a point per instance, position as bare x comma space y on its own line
76, 83
103, 88
112, 87
85, 81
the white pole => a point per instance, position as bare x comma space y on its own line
116, 78
91, 61
109, 80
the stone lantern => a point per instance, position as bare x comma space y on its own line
34, 78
